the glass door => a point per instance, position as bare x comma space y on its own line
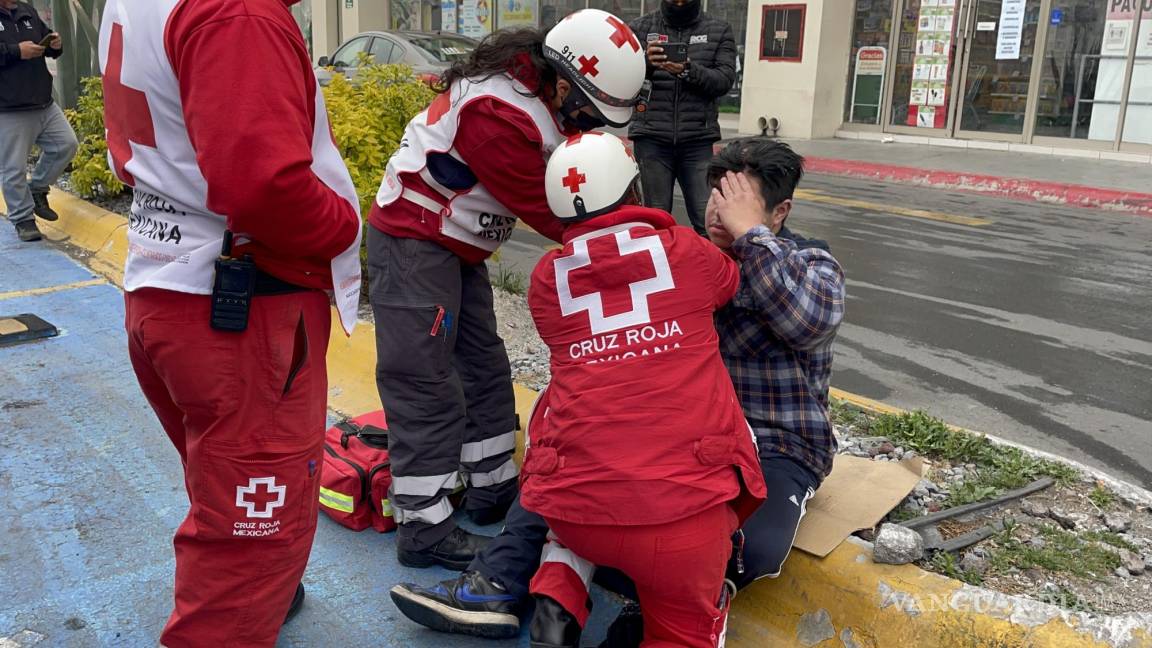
1000, 42
924, 66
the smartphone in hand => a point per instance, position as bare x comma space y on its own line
676, 52
48, 39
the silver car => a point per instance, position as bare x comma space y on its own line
427, 53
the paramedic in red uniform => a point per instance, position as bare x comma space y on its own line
468, 167
214, 118
639, 456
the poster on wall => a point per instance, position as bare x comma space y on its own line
928, 97
1011, 30
448, 21
517, 13
1114, 60
475, 18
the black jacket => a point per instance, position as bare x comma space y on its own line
683, 110
24, 84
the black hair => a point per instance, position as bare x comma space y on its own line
500, 53
778, 167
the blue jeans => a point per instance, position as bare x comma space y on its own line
19, 130
663, 164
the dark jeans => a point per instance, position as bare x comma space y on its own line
663, 164
513, 556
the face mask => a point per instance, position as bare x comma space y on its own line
682, 15
573, 115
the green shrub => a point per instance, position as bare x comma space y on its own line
91, 175
368, 119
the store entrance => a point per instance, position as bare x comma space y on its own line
1000, 46
963, 67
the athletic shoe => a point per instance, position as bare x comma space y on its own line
470, 605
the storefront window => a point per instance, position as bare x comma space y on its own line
626, 10
925, 57
405, 14
1138, 120
1070, 72
735, 13
553, 11
871, 29
999, 66
302, 12
517, 13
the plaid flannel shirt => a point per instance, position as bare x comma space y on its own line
776, 339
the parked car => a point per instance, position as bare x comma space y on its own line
427, 53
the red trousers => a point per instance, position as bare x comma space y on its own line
678, 569
246, 411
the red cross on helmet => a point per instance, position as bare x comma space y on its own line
598, 53
589, 175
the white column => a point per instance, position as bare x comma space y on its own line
325, 27
807, 96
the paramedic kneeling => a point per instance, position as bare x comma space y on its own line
639, 456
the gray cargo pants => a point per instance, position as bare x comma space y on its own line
46, 128
445, 384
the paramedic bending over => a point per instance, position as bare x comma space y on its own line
469, 167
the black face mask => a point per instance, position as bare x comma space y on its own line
682, 15
571, 111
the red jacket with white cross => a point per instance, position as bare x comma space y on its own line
641, 424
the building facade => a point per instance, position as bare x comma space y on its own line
1073, 75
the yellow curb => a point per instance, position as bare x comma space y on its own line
843, 600
847, 600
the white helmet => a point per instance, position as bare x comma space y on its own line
589, 175
599, 54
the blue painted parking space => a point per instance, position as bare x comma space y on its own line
92, 492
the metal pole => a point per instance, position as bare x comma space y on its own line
1076, 105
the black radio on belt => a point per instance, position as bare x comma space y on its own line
232, 290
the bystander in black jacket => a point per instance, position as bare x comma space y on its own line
685, 109
24, 84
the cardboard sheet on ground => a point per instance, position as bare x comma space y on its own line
856, 495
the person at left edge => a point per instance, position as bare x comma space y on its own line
215, 120
28, 117
468, 167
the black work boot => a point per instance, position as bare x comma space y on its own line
42, 208
552, 626
297, 603
455, 551
469, 605
27, 231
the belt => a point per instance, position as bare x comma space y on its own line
266, 284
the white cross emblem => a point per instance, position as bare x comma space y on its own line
242, 492
640, 290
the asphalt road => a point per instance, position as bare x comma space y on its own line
1024, 320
